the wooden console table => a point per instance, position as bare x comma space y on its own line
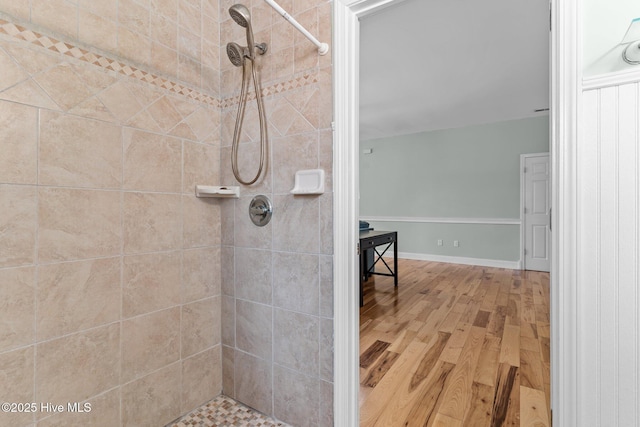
370, 240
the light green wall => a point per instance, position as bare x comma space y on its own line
470, 172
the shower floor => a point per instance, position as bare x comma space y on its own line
224, 411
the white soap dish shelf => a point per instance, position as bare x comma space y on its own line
309, 181
232, 192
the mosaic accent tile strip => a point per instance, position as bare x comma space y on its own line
24, 34
276, 88
222, 412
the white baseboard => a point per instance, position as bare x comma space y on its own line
512, 265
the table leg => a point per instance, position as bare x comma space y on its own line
395, 261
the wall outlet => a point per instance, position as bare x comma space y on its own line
456, 243
439, 242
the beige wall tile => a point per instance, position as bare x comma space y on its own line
189, 17
18, 225
79, 152
255, 283
12, 73
96, 79
28, 92
228, 326
106, 9
201, 275
291, 154
211, 8
210, 36
164, 112
150, 342
201, 123
201, 222
164, 59
296, 341
134, 16
168, 8
151, 222
93, 108
98, 29
78, 224
228, 368
17, 379
164, 30
63, 86
89, 226
105, 412
77, 295
201, 378
296, 278
296, 398
201, 166
30, 58
120, 101
154, 400
17, 307
253, 382
60, 16
152, 162
326, 223
200, 326
254, 328
151, 282
18, 143
296, 228
326, 349
189, 68
76, 367
135, 45
189, 43
18, 8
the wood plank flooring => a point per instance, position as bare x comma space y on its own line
455, 345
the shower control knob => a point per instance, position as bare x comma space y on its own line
260, 210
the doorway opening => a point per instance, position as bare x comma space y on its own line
346, 14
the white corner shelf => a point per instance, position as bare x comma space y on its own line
229, 192
309, 181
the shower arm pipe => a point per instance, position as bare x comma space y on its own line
323, 48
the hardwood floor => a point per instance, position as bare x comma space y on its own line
455, 345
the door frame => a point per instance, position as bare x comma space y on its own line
566, 77
523, 158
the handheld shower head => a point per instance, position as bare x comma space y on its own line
241, 15
236, 54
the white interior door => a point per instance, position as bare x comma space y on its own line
537, 212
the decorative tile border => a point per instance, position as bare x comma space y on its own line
24, 34
21, 33
275, 88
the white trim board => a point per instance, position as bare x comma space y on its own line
497, 263
433, 220
612, 79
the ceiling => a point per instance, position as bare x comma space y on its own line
440, 64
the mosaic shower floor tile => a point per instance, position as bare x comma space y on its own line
222, 412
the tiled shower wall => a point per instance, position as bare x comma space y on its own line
109, 266
277, 303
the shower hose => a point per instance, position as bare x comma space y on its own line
240, 118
